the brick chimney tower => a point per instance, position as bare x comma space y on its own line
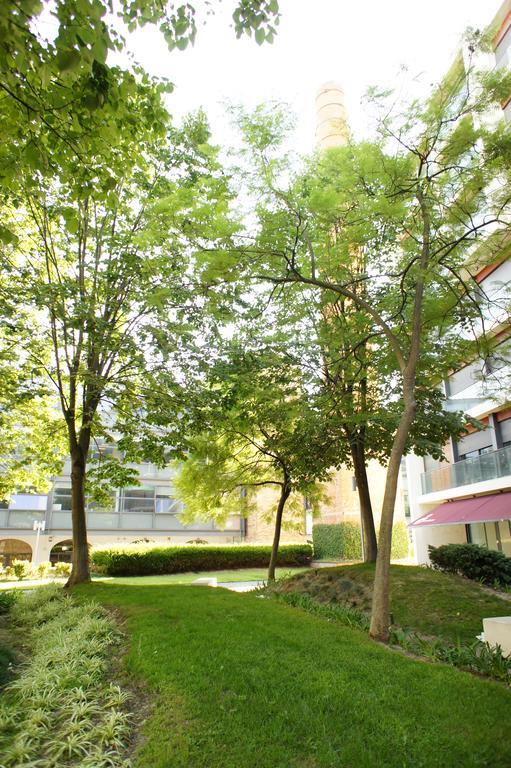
331, 117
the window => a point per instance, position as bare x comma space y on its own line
102, 450
167, 506
62, 498
137, 500
476, 453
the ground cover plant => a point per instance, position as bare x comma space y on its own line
244, 681
61, 709
423, 600
138, 560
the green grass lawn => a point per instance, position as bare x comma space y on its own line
422, 599
242, 681
242, 574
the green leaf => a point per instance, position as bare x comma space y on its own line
260, 36
68, 60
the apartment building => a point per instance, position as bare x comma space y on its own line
38, 526
467, 497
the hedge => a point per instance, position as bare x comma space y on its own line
341, 541
474, 562
143, 561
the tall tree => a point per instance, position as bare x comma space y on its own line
415, 201
106, 262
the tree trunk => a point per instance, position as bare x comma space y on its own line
380, 614
284, 495
364, 497
80, 562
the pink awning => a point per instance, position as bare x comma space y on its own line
482, 509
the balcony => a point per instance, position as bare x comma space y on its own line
111, 520
489, 466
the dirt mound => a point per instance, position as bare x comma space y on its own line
327, 586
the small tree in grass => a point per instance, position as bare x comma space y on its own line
255, 426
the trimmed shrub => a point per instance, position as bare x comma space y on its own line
21, 569
62, 569
341, 541
400, 541
145, 561
43, 569
474, 562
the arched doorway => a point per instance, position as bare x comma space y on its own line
14, 549
62, 552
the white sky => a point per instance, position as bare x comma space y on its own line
354, 43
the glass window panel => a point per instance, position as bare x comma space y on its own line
474, 441
505, 536
62, 496
477, 533
28, 501
137, 505
165, 505
103, 508
139, 493
505, 430
24, 518
465, 377
491, 535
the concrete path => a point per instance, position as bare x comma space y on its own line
241, 586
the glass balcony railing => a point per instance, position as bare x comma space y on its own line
108, 520
489, 466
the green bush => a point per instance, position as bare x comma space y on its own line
62, 569
148, 560
400, 541
43, 569
474, 562
341, 541
22, 569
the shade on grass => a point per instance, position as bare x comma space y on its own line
245, 682
241, 574
435, 603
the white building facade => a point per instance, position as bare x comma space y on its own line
467, 498
147, 512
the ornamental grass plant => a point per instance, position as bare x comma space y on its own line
62, 710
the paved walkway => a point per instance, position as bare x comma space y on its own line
241, 586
